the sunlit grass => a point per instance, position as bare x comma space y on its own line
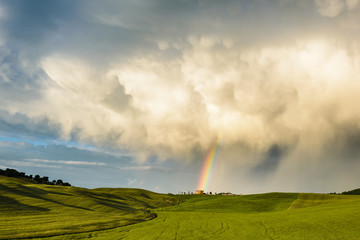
332, 217
35, 210
75, 213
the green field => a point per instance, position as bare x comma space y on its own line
54, 212
38, 210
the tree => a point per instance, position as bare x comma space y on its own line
59, 182
37, 178
12, 173
45, 180
67, 184
42, 180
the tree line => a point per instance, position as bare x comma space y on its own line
352, 192
37, 179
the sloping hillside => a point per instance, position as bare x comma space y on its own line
256, 203
352, 192
56, 212
261, 216
235, 204
37, 210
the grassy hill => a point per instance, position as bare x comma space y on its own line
239, 204
55, 212
37, 210
261, 216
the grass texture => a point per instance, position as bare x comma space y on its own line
35, 210
53, 212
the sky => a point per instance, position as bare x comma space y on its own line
135, 93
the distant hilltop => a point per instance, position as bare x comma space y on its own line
36, 179
202, 192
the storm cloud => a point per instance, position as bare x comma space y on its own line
277, 81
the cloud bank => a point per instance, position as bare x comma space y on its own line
277, 81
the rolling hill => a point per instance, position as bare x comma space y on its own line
38, 210
56, 212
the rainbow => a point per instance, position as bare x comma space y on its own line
208, 165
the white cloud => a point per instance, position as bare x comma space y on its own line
331, 8
131, 181
174, 107
346, 13
67, 162
145, 168
351, 4
15, 163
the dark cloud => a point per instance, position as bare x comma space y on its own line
56, 155
31, 23
19, 80
21, 125
87, 167
118, 100
344, 144
271, 160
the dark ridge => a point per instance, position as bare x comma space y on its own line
36, 179
352, 192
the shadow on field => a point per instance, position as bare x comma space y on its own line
59, 193
102, 199
36, 193
105, 195
12, 204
